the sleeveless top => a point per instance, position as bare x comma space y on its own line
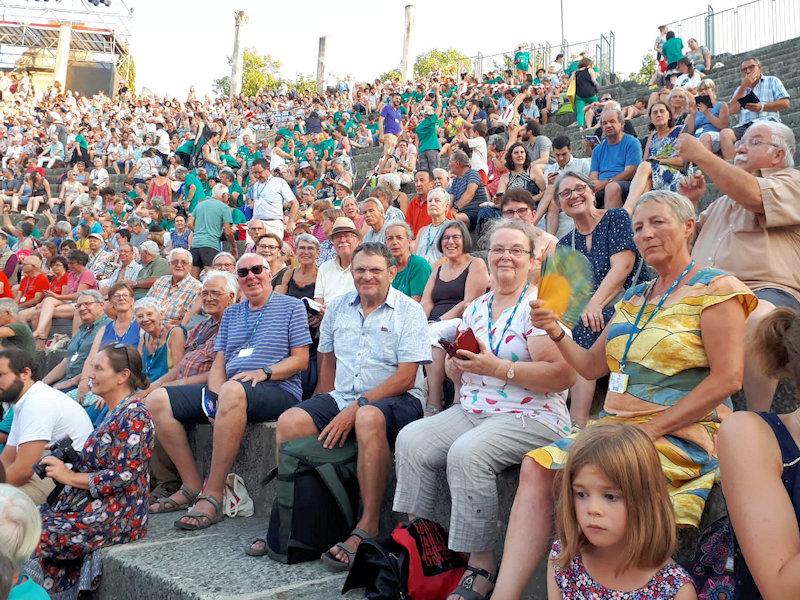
160, 361
745, 588
446, 294
164, 190
575, 583
300, 292
522, 180
180, 240
584, 86
130, 337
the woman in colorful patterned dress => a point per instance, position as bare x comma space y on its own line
511, 395
106, 496
675, 353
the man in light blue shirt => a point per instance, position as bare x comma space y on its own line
372, 344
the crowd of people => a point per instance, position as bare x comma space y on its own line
213, 261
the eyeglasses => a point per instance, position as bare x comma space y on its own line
80, 305
749, 68
515, 252
121, 296
753, 142
361, 271
223, 265
567, 194
267, 247
255, 270
520, 212
212, 293
453, 238
179, 262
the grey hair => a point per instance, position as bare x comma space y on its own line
615, 109
230, 281
307, 237
680, 205
148, 302
150, 247
224, 255
460, 157
440, 192
498, 141
375, 200
20, 525
228, 173
181, 171
310, 189
440, 170
219, 191
679, 92
183, 251
783, 137
252, 255
94, 294
557, 185
406, 227
63, 227
10, 306
522, 226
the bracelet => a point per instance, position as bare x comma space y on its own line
559, 337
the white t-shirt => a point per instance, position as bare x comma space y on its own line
46, 414
478, 160
99, 177
333, 281
684, 81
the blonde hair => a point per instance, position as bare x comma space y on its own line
628, 458
20, 525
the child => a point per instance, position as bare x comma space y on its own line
615, 522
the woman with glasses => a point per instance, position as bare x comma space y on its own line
300, 282
269, 246
707, 116
107, 492
70, 190
456, 282
511, 393
606, 239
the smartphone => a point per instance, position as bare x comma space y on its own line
464, 341
593, 139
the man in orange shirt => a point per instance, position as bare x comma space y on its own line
417, 213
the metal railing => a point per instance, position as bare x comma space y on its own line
745, 27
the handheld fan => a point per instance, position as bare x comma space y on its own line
566, 284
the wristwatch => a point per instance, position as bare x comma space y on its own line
267, 372
510, 372
361, 401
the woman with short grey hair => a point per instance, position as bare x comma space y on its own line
20, 530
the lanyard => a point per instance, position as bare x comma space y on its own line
152, 357
430, 234
492, 347
258, 320
118, 338
636, 331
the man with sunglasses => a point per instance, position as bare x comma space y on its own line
371, 345
261, 347
753, 231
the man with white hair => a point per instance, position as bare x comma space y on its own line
374, 217
269, 193
210, 220
154, 266
753, 231
177, 291
441, 178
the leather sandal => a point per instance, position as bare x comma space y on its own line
464, 589
203, 520
330, 561
167, 504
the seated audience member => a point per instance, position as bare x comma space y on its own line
20, 530
760, 477
154, 267
674, 379
89, 307
255, 229
270, 246
512, 397
41, 415
680, 102
520, 205
105, 498
176, 292
637, 109
33, 283
365, 389
456, 281
426, 243
614, 161
772, 98
704, 121
14, 333
411, 271
689, 78
391, 199
374, 218
334, 277
467, 189
441, 178
699, 56
261, 346
101, 261
126, 271
557, 223
751, 230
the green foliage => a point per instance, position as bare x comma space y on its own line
131, 81
438, 60
260, 72
647, 70
390, 75
303, 83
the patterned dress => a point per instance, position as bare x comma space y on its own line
117, 456
666, 361
665, 177
575, 583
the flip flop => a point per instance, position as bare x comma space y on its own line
166, 504
203, 520
263, 552
330, 561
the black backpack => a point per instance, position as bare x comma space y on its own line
316, 500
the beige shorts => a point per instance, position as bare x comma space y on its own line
38, 489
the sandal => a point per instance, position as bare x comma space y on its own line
262, 552
203, 520
334, 563
464, 589
166, 504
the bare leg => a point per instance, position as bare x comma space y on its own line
581, 395
705, 139
435, 373
613, 197
480, 560
727, 139
759, 389
46, 317
530, 528
642, 182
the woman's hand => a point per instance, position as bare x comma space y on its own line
592, 316
544, 318
482, 363
57, 470
314, 320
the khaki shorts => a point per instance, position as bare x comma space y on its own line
38, 489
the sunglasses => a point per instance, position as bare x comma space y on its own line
255, 270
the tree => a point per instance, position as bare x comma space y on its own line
646, 72
260, 72
390, 75
131, 82
445, 61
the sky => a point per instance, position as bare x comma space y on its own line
181, 43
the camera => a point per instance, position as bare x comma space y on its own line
63, 451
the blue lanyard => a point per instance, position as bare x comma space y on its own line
636, 331
258, 320
492, 347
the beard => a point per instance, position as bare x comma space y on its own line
12, 393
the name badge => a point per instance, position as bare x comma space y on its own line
74, 357
245, 352
618, 383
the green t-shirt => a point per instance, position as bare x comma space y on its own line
209, 223
167, 225
186, 147
428, 137
522, 60
81, 141
237, 217
230, 161
28, 590
22, 338
373, 128
412, 280
235, 187
330, 146
673, 49
244, 153
199, 190
418, 96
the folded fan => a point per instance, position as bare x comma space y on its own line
566, 284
